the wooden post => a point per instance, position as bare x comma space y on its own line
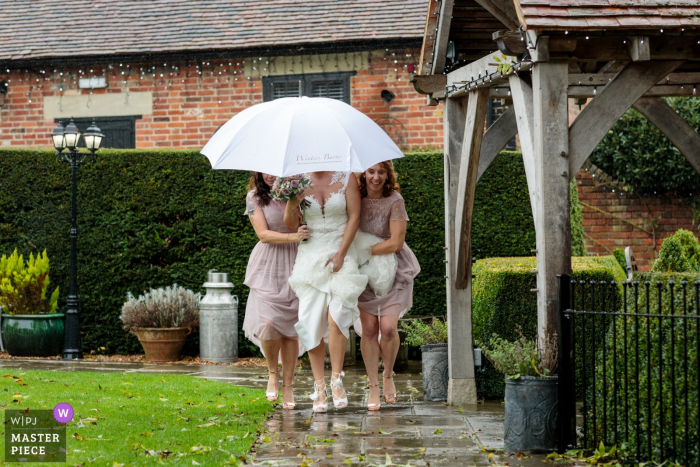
551, 148
462, 387
522, 104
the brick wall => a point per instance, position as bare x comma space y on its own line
614, 219
188, 101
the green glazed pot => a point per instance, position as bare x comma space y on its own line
33, 335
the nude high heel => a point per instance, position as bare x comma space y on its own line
390, 398
272, 396
288, 405
319, 388
337, 383
373, 407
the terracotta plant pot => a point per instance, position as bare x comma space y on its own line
162, 344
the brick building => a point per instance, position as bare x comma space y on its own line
168, 73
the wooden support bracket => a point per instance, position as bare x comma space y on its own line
495, 139
639, 49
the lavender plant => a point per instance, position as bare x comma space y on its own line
168, 307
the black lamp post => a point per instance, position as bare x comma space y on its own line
67, 138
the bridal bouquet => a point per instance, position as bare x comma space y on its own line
287, 188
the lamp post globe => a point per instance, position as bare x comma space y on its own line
72, 135
93, 137
57, 137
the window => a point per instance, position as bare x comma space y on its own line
120, 132
333, 85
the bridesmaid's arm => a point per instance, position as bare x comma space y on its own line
353, 204
395, 242
270, 236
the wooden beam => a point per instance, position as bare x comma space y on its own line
503, 10
442, 37
676, 129
602, 79
550, 138
484, 67
522, 103
495, 139
428, 84
638, 47
607, 48
461, 386
511, 43
596, 119
426, 51
468, 169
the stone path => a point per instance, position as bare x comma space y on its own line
411, 431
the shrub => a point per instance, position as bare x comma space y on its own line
168, 307
522, 357
502, 302
24, 285
637, 153
419, 333
628, 347
679, 253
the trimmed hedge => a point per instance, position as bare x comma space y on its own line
151, 218
502, 302
630, 333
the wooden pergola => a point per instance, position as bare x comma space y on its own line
537, 55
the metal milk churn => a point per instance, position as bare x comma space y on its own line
218, 320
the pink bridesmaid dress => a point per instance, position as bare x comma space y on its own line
375, 219
272, 309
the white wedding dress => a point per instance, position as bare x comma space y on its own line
318, 288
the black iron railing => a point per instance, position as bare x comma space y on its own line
629, 371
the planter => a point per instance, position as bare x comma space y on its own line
435, 372
33, 335
162, 344
531, 414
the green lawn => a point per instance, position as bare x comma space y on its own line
141, 419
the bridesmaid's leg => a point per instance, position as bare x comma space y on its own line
369, 345
390, 348
271, 350
337, 343
290, 350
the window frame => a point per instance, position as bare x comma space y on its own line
307, 81
84, 122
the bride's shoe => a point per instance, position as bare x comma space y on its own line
272, 396
373, 407
288, 405
320, 406
337, 383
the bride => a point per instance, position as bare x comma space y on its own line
326, 277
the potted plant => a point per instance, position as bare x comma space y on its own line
31, 327
162, 319
432, 339
531, 392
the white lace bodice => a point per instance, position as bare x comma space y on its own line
327, 222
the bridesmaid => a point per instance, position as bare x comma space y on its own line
272, 308
384, 215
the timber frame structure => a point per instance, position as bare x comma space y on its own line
537, 55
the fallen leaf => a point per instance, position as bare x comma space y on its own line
437, 432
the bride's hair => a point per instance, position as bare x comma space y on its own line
390, 185
262, 189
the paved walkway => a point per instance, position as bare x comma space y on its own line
409, 431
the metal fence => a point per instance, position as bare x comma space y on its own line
629, 370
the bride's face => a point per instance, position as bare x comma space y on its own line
269, 179
376, 177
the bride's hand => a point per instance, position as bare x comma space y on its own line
337, 261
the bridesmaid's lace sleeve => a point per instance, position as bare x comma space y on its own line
251, 203
398, 211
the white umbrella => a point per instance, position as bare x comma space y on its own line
295, 135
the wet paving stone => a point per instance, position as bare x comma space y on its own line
352, 436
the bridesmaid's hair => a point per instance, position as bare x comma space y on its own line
262, 189
390, 185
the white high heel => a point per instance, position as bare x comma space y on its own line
321, 407
272, 396
337, 383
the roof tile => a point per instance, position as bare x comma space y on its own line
135, 26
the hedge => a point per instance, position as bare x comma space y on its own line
151, 218
638, 154
502, 302
639, 353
